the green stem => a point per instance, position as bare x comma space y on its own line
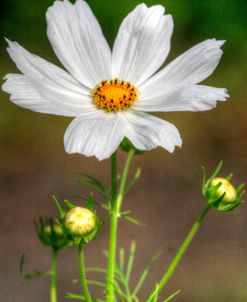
83, 274
116, 201
176, 260
53, 288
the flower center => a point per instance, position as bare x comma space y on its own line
114, 95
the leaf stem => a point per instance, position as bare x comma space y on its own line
83, 274
176, 260
116, 201
53, 287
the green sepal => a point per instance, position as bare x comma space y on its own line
60, 209
69, 204
229, 177
240, 188
210, 191
126, 145
228, 207
215, 174
216, 203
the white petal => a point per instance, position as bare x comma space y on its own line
47, 83
78, 41
185, 98
38, 68
142, 43
192, 67
24, 95
97, 134
147, 132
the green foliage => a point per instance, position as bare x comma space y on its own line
124, 290
97, 186
94, 184
33, 274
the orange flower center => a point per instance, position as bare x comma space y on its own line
114, 95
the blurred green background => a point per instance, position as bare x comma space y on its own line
167, 199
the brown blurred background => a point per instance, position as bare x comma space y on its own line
167, 199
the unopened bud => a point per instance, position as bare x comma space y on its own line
56, 229
227, 188
51, 233
80, 221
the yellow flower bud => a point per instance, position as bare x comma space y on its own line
227, 188
80, 221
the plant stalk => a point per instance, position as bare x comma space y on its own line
176, 260
116, 201
53, 287
83, 279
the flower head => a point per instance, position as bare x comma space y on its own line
111, 92
220, 193
80, 221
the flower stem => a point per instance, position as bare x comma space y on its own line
176, 260
53, 288
83, 274
116, 201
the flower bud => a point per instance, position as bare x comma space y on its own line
220, 193
55, 228
126, 145
225, 188
80, 221
51, 234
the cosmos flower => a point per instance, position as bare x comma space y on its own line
111, 93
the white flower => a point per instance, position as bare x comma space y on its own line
109, 92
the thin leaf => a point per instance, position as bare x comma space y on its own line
132, 220
96, 270
34, 274
172, 296
131, 260
134, 180
102, 205
93, 183
154, 296
80, 297
90, 201
119, 291
75, 297
96, 283
145, 273
121, 259
101, 271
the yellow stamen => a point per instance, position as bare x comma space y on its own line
114, 95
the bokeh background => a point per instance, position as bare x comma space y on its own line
167, 199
